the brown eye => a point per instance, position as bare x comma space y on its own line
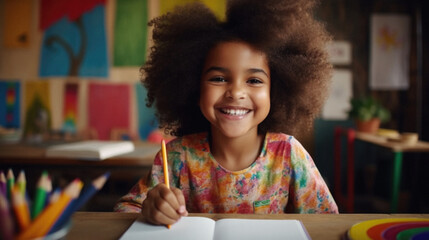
217, 79
254, 81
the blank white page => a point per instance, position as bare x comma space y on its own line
257, 229
187, 228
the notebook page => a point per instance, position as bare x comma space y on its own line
257, 229
191, 228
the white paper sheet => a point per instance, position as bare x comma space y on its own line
390, 51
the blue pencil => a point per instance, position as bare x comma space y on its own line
76, 204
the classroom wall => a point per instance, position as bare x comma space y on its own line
23, 64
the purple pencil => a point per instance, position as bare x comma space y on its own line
3, 187
6, 222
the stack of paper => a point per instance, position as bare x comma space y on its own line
90, 150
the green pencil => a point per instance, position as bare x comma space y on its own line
10, 181
43, 187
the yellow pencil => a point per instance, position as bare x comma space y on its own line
21, 182
20, 208
165, 166
44, 221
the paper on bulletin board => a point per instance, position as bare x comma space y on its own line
76, 48
17, 23
146, 116
390, 50
108, 108
130, 33
10, 104
37, 107
51, 11
70, 109
218, 7
340, 52
56, 91
338, 102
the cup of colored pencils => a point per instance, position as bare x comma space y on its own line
48, 214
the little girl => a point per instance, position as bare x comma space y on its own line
228, 90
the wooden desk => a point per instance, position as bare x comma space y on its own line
34, 154
397, 148
109, 225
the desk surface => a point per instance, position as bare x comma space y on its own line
109, 225
420, 146
27, 154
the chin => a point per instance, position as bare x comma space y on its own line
234, 133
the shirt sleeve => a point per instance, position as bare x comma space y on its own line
308, 191
133, 200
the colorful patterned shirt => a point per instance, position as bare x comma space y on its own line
282, 179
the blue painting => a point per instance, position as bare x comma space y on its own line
76, 48
146, 116
10, 104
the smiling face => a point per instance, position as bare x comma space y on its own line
235, 89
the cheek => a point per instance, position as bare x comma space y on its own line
263, 97
206, 99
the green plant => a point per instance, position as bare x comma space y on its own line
366, 108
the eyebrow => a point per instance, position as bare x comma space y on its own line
225, 70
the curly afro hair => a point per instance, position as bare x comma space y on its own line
293, 41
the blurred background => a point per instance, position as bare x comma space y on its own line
69, 70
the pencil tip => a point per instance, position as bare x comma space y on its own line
10, 173
107, 175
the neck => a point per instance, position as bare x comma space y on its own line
237, 153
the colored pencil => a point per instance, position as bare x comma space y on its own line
76, 204
6, 221
165, 167
43, 223
54, 196
10, 181
21, 182
43, 187
3, 187
49, 192
20, 208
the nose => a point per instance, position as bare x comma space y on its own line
235, 90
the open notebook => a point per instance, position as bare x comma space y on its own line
201, 228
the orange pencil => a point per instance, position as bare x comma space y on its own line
20, 208
165, 167
44, 221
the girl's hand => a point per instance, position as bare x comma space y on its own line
164, 206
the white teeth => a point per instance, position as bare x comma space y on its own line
235, 112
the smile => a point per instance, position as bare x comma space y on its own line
235, 112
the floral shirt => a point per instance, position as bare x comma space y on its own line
282, 179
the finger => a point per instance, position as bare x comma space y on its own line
181, 199
158, 217
168, 204
154, 216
